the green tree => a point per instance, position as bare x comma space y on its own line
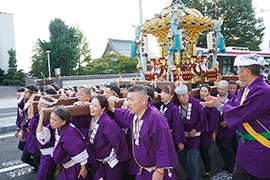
111, 64
84, 52
12, 64
240, 28
64, 45
2, 75
13, 77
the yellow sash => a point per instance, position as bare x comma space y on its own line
250, 130
133, 146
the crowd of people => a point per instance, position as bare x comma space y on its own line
142, 139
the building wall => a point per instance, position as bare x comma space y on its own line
7, 39
91, 82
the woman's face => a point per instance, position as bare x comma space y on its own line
56, 122
204, 93
42, 105
95, 108
109, 93
165, 97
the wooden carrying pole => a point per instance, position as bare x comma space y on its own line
76, 111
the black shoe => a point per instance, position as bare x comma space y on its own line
206, 175
226, 167
230, 169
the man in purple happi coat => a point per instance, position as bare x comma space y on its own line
250, 112
194, 120
225, 134
152, 145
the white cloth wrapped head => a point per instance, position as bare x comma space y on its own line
181, 89
47, 102
250, 59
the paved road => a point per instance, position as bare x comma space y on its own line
11, 167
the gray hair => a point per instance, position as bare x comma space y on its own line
62, 112
84, 88
255, 69
138, 89
223, 83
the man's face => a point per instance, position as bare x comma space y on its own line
27, 94
233, 88
135, 102
83, 96
222, 90
241, 75
183, 98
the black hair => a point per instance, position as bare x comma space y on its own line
129, 85
75, 88
158, 90
150, 92
32, 88
102, 101
206, 86
123, 86
62, 112
51, 91
233, 82
21, 89
56, 87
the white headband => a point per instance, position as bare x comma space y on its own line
47, 102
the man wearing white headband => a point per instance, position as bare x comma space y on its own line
250, 112
194, 122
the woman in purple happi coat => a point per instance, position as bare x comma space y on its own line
152, 145
107, 142
206, 138
171, 112
47, 165
69, 148
194, 119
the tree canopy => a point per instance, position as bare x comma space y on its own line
67, 45
240, 28
111, 64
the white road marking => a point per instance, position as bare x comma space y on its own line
11, 168
8, 135
7, 118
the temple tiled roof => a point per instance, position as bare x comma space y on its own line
122, 47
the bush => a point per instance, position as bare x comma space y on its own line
10, 82
17, 82
5, 82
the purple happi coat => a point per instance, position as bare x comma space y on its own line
226, 132
108, 141
68, 146
196, 119
31, 143
47, 165
171, 112
20, 104
212, 115
83, 124
153, 144
251, 155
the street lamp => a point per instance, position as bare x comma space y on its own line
49, 66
